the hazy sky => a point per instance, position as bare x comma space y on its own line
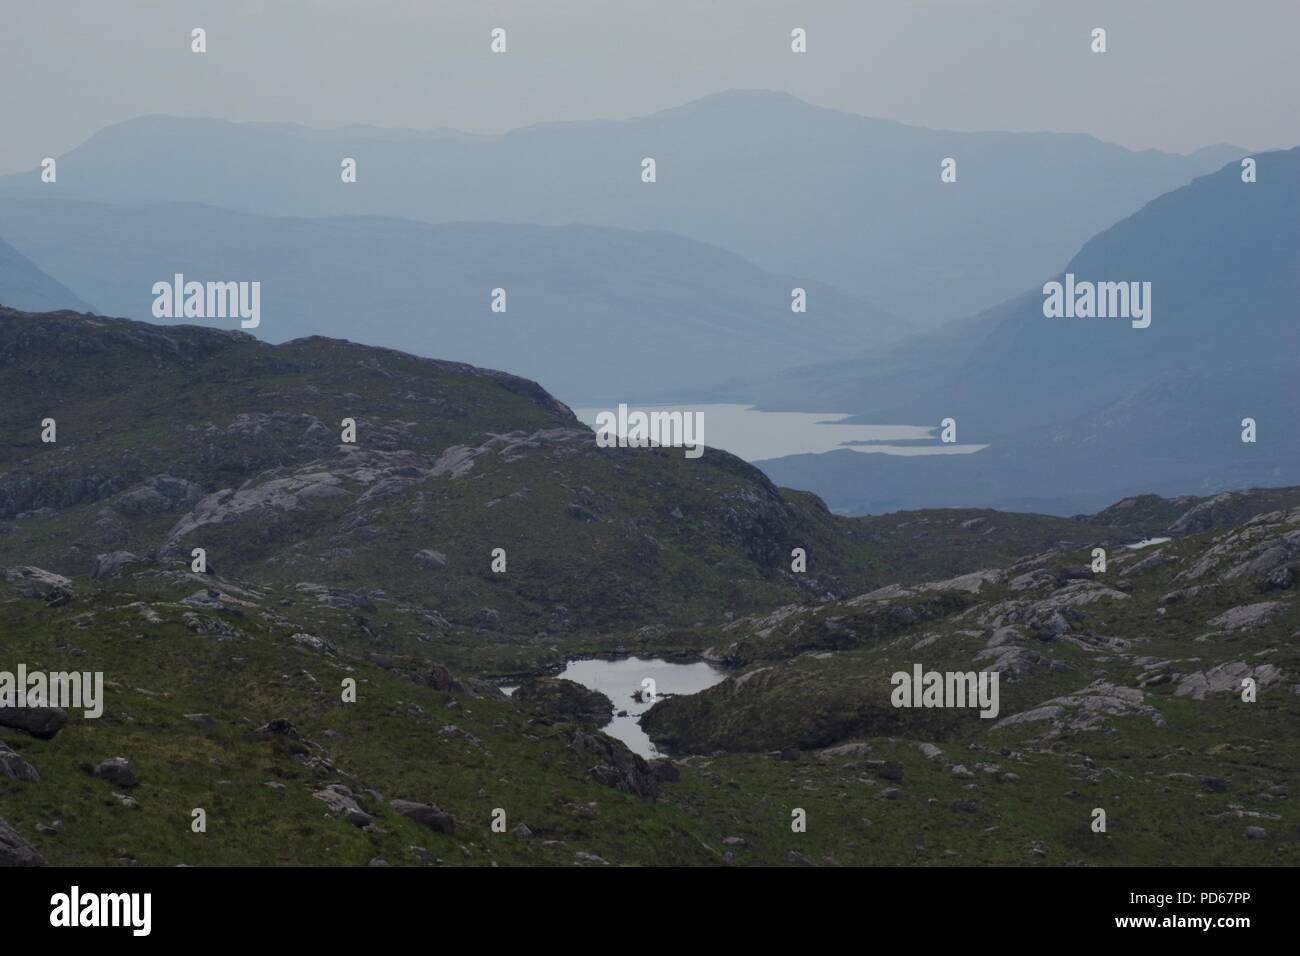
1179, 74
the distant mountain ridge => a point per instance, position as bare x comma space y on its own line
24, 286
598, 314
798, 189
1081, 411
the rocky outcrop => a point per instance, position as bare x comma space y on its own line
1088, 709
1226, 678
1053, 616
314, 643
1158, 559
793, 629
426, 815
278, 727
29, 582
268, 502
115, 563
1216, 512
615, 765
566, 700
43, 723
431, 559
118, 772
14, 767
1263, 545
15, 851
343, 803
971, 583
1248, 615
1014, 661
158, 495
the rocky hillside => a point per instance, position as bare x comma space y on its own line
228, 699
364, 568
1120, 689
170, 439
1121, 692
176, 438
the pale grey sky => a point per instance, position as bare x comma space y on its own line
1179, 74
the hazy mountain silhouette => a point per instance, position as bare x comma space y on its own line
597, 314
840, 198
1081, 410
24, 286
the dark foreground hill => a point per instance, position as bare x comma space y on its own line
170, 439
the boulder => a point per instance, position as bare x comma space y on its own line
425, 814
114, 564
118, 772
890, 770
429, 558
44, 723
158, 495
30, 582
1248, 615
15, 851
15, 767
342, 803
843, 751
314, 643
279, 727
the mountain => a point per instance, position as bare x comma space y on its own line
601, 315
1118, 689
24, 286
172, 438
1117, 409
1223, 260
842, 199
366, 566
